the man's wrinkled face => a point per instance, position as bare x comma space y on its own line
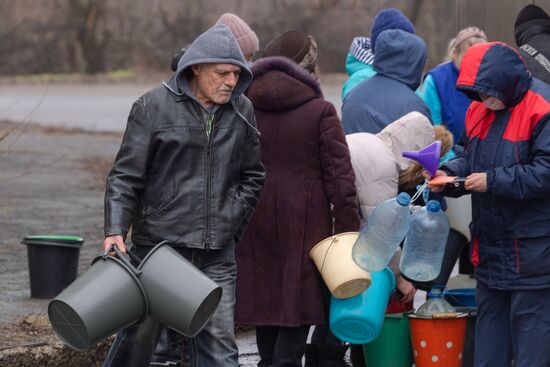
215, 82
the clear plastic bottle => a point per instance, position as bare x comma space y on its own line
425, 243
435, 304
380, 237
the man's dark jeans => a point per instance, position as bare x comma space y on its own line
214, 345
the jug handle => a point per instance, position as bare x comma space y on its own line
124, 258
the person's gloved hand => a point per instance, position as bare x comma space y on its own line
407, 288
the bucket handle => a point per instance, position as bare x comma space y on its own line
124, 258
335, 239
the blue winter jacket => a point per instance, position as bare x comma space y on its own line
373, 104
511, 221
453, 104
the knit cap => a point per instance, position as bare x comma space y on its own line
361, 49
246, 37
389, 18
529, 13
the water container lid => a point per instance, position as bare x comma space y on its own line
403, 198
435, 292
433, 206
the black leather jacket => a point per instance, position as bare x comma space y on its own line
170, 181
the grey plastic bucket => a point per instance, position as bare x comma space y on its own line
105, 299
180, 295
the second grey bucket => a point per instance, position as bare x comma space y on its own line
179, 294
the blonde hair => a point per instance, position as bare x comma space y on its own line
412, 176
464, 39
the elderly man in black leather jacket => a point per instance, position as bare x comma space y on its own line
189, 171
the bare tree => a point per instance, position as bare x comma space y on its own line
86, 20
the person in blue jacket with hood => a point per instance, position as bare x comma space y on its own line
361, 52
506, 161
389, 95
447, 105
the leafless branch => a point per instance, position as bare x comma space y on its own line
34, 170
23, 125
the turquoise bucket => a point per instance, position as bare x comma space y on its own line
359, 319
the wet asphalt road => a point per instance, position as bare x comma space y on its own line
91, 107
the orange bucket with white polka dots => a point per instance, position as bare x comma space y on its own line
438, 341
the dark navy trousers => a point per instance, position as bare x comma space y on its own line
512, 324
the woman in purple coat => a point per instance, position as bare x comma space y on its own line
309, 194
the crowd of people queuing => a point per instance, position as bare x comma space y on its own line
242, 164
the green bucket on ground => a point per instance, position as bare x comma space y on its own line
393, 347
180, 295
53, 263
105, 299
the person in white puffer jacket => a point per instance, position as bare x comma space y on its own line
381, 171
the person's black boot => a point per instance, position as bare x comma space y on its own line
357, 356
311, 355
332, 355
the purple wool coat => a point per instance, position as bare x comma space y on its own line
308, 169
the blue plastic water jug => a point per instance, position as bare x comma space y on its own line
359, 319
425, 242
386, 227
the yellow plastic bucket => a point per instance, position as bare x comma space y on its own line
333, 259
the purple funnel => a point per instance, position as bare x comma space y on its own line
427, 157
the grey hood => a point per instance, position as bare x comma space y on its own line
401, 56
215, 46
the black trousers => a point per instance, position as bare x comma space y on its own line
281, 346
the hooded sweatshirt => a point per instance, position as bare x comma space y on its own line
215, 46
389, 95
175, 178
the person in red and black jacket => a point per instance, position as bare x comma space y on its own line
506, 161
